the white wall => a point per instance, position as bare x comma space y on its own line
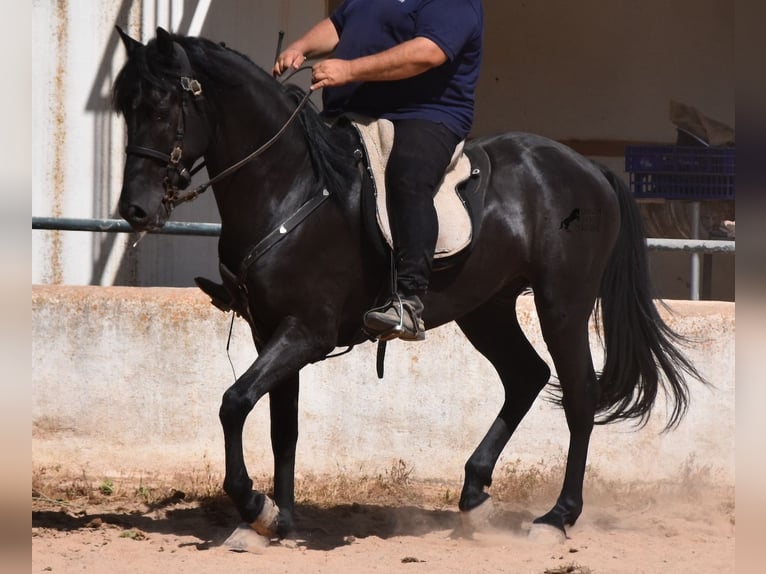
129, 380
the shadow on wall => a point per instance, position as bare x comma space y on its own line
157, 260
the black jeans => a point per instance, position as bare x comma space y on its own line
421, 153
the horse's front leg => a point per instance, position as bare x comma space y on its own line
283, 400
275, 370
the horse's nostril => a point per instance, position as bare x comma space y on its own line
135, 214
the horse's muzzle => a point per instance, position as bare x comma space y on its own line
140, 220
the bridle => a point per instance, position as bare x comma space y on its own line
177, 176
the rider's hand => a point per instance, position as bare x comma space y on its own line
331, 72
290, 58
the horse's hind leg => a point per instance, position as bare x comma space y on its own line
495, 332
565, 330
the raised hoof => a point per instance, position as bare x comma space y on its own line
541, 533
479, 517
245, 539
267, 522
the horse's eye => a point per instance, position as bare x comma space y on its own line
161, 104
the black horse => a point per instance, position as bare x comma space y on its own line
297, 262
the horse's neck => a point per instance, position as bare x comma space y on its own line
270, 187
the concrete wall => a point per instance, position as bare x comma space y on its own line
586, 70
129, 380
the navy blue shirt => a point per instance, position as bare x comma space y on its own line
444, 94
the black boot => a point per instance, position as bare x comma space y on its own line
398, 318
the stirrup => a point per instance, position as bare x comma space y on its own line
397, 330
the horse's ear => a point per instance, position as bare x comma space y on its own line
130, 44
164, 42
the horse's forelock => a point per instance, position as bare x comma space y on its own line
144, 67
155, 67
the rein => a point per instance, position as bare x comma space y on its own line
178, 199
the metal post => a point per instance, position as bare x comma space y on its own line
695, 266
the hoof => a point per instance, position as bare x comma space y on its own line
541, 533
267, 522
245, 539
478, 518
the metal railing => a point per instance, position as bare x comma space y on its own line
122, 226
694, 247
691, 245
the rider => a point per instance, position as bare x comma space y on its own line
416, 63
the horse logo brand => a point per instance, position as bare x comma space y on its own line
567, 221
580, 219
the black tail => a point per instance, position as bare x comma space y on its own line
642, 352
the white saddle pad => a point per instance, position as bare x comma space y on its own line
454, 222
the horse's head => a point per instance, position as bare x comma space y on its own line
160, 98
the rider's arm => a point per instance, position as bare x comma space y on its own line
402, 61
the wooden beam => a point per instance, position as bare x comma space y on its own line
605, 148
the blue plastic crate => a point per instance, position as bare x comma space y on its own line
678, 172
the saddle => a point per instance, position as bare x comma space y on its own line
459, 200
459, 205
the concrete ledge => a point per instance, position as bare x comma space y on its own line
130, 379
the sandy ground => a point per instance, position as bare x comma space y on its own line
677, 530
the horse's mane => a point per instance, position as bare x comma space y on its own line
330, 149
